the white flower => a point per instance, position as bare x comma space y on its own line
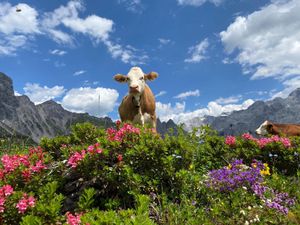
242, 212
246, 222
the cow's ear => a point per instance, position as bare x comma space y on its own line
151, 76
120, 78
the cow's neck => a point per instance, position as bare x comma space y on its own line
136, 100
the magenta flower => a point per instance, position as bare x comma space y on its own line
230, 140
24, 203
73, 219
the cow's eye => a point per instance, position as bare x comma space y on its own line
141, 78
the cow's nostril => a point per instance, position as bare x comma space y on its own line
133, 87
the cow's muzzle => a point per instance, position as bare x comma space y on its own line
134, 89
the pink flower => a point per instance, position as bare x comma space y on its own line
263, 142
22, 206
230, 140
31, 201
73, 219
24, 203
248, 136
38, 167
120, 157
26, 174
7, 190
76, 158
2, 202
286, 142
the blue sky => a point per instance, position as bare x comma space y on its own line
212, 56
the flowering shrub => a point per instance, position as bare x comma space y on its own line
25, 165
238, 175
262, 142
128, 175
119, 134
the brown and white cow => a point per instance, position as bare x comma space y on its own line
268, 127
138, 106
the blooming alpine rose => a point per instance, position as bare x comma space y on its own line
24, 203
76, 158
73, 219
230, 140
118, 135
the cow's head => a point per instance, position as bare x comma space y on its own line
136, 79
265, 128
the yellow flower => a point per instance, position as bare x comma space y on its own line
266, 170
229, 166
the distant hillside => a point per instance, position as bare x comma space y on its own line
277, 110
19, 117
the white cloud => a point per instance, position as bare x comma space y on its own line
179, 115
267, 41
12, 22
17, 93
94, 26
133, 5
61, 25
160, 94
58, 52
228, 100
198, 2
86, 99
167, 111
14, 35
79, 72
164, 41
127, 54
39, 94
184, 95
197, 52
290, 85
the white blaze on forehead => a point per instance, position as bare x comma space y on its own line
262, 130
135, 73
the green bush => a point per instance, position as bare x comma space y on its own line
130, 175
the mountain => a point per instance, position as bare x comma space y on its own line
279, 110
19, 117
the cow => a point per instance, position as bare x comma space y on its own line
268, 127
138, 106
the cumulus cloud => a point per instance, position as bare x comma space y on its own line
161, 93
197, 52
61, 25
198, 2
179, 115
267, 41
79, 72
184, 95
39, 94
95, 101
167, 111
13, 33
57, 52
228, 100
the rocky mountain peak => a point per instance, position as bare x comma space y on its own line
6, 86
295, 94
